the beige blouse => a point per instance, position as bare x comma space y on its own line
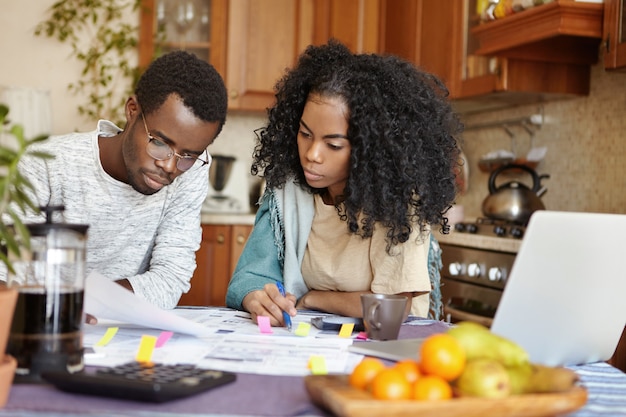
336, 260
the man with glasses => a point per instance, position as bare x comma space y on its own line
140, 189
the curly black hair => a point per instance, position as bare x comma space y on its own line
402, 130
195, 81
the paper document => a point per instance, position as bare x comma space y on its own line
105, 299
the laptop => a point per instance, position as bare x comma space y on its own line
565, 297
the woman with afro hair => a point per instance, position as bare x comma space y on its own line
359, 155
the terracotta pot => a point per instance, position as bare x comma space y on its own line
8, 297
7, 372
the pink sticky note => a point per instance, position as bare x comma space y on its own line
361, 336
264, 324
163, 337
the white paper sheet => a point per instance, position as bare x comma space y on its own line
105, 299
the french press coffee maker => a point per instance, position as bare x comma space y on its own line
46, 331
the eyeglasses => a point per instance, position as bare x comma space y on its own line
161, 151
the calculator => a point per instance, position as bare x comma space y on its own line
149, 382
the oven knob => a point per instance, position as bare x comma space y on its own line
459, 227
455, 268
471, 228
473, 270
495, 274
499, 231
517, 232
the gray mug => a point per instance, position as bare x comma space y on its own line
383, 315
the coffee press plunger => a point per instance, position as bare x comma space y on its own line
46, 331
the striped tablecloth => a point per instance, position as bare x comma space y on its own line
606, 388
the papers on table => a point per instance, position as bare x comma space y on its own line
217, 338
235, 344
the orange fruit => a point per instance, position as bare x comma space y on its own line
431, 387
442, 355
390, 384
409, 368
365, 371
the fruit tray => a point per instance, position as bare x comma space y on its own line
333, 393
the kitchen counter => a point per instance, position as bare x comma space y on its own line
227, 218
480, 241
453, 238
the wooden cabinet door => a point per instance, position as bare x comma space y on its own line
216, 261
213, 268
614, 34
263, 39
239, 236
356, 23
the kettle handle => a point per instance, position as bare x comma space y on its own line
497, 171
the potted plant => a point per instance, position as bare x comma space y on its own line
14, 235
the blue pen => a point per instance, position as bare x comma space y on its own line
286, 315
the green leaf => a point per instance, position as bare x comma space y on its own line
21, 230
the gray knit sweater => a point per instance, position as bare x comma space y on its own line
149, 239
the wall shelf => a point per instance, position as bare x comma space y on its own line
563, 31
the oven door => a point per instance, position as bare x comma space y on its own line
469, 302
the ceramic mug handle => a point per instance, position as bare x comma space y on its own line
372, 315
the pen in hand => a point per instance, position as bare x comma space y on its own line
286, 315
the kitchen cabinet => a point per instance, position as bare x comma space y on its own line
263, 38
614, 34
252, 42
537, 55
216, 260
198, 26
356, 23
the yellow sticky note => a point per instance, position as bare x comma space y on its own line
346, 330
146, 347
317, 364
303, 329
108, 335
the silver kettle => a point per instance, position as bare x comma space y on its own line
514, 201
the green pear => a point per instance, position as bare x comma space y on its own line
534, 378
479, 342
519, 378
486, 378
552, 379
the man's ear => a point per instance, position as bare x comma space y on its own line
132, 109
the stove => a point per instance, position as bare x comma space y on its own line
477, 259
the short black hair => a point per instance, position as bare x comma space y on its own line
195, 81
402, 130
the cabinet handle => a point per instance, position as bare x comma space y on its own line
240, 239
221, 239
233, 94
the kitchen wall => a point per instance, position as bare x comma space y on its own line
586, 141
585, 137
43, 64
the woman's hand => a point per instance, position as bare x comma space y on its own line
269, 302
